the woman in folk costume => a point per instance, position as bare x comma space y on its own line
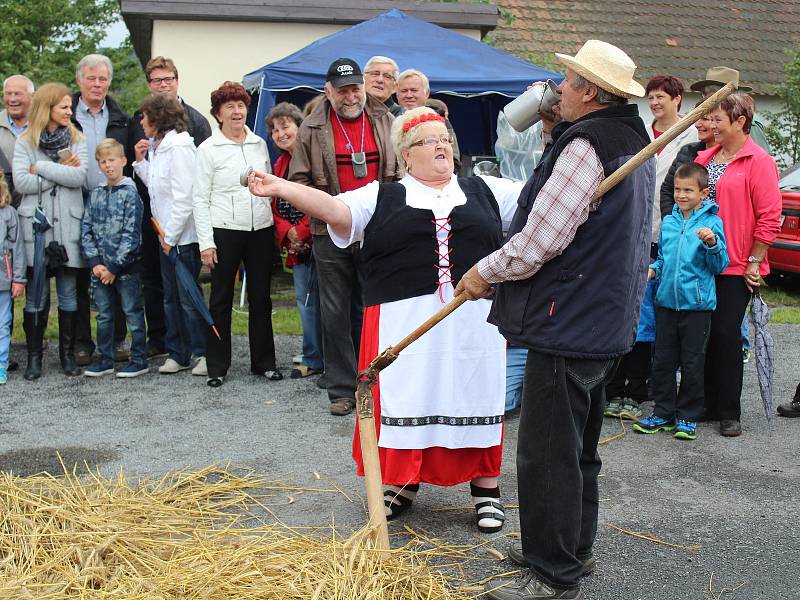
441, 404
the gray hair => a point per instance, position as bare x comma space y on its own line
28, 83
401, 140
603, 97
426, 84
383, 60
94, 60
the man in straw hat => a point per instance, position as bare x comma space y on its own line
571, 278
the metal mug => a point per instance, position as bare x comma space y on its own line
527, 109
245, 175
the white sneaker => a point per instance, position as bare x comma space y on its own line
172, 366
200, 367
297, 359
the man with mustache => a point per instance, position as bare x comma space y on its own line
343, 145
17, 96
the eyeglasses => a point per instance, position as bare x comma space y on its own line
160, 80
387, 76
434, 140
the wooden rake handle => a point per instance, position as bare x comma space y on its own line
665, 138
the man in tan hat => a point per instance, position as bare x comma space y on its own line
570, 282
716, 78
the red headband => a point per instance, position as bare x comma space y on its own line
423, 118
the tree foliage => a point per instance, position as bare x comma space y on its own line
783, 129
45, 39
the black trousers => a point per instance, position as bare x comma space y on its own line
152, 290
724, 369
255, 249
83, 329
558, 462
342, 309
630, 380
681, 339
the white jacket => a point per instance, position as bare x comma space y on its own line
168, 175
663, 163
219, 199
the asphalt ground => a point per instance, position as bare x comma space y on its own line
739, 499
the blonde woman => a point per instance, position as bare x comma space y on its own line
441, 405
12, 272
50, 164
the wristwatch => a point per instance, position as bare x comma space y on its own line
755, 259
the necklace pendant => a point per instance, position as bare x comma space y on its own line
359, 160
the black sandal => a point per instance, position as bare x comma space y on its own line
396, 501
214, 382
488, 513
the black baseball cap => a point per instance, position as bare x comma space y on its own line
344, 71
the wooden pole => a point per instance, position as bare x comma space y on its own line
665, 138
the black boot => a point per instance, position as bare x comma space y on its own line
34, 324
66, 342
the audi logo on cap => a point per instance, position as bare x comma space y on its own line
344, 69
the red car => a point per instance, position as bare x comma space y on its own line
784, 254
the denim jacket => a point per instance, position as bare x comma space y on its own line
685, 267
12, 249
111, 229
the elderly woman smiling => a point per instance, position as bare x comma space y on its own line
441, 404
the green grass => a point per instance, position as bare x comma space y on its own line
787, 316
285, 317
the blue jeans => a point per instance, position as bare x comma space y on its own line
745, 332
186, 329
306, 292
6, 316
66, 289
129, 289
515, 374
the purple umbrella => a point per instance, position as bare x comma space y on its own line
765, 368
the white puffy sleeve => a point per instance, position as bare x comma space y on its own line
362, 204
506, 192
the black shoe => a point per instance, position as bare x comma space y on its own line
730, 428
12, 366
214, 382
66, 342
34, 324
515, 555
156, 352
528, 587
121, 352
785, 410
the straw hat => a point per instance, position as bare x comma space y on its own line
606, 66
720, 76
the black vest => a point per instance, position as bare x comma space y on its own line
400, 245
585, 302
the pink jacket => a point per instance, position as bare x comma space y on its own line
749, 199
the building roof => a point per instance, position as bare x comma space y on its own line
679, 37
140, 14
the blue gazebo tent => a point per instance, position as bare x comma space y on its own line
475, 80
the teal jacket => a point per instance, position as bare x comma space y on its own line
685, 267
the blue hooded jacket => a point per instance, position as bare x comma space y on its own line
685, 267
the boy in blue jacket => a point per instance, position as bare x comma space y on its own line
111, 240
691, 251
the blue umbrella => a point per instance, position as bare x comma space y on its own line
41, 224
188, 283
765, 345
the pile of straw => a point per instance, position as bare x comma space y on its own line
188, 535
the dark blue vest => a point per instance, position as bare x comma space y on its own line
585, 302
399, 251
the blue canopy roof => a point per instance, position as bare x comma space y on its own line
454, 63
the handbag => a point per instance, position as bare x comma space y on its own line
55, 254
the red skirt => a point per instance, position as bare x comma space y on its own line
436, 465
